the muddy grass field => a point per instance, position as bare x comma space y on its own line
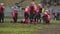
18, 28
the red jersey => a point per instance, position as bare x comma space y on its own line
39, 9
47, 16
1, 9
14, 13
36, 11
33, 8
27, 10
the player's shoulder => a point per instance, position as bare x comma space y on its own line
2, 6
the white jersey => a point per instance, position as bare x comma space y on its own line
42, 14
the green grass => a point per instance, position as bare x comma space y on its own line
18, 28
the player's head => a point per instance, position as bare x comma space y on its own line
32, 2
1, 3
39, 5
46, 10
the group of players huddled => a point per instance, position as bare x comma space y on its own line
32, 14
35, 14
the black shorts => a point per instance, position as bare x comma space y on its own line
26, 15
1, 15
31, 16
39, 16
44, 18
35, 16
47, 22
55, 16
15, 19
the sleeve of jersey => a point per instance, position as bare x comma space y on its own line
3, 7
26, 10
35, 7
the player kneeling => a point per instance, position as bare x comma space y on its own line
46, 18
24, 21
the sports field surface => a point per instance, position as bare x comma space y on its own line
18, 28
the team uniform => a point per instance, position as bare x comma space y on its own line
39, 12
46, 18
2, 13
15, 15
36, 17
32, 12
26, 13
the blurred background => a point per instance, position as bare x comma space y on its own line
26, 2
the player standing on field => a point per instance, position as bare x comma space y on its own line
39, 11
2, 7
27, 13
32, 11
15, 16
